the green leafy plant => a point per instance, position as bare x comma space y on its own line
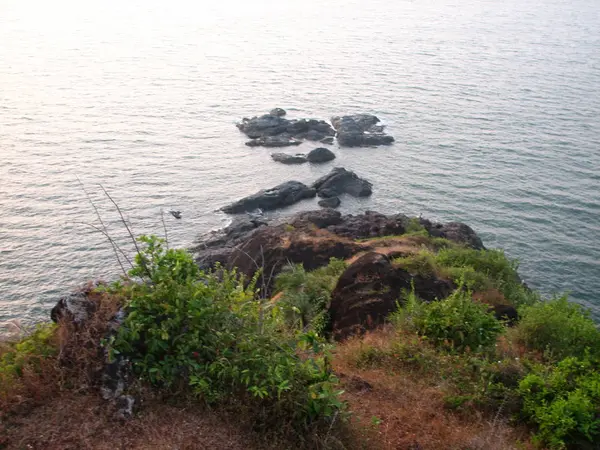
564, 402
456, 322
558, 328
306, 294
210, 332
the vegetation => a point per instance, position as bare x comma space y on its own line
456, 322
210, 339
304, 295
213, 333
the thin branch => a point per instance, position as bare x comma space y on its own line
162, 217
137, 248
112, 242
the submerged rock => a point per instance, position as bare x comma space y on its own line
274, 141
284, 158
279, 112
320, 155
284, 194
360, 130
341, 181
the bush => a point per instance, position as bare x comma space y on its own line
484, 269
211, 333
564, 401
456, 322
306, 294
558, 328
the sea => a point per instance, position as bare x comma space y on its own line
494, 104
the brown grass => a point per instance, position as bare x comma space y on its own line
405, 409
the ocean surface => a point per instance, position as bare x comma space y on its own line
495, 106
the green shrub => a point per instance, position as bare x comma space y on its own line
422, 263
306, 294
558, 328
210, 332
29, 351
564, 402
484, 269
456, 322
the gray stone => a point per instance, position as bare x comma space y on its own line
279, 196
331, 202
279, 112
272, 130
284, 158
360, 130
320, 155
328, 140
274, 141
341, 181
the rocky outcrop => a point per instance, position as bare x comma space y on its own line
341, 181
279, 196
454, 231
360, 130
369, 290
331, 202
273, 130
284, 158
320, 155
309, 238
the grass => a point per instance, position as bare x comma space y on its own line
444, 374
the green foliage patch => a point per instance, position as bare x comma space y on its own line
209, 332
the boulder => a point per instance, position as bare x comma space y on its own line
506, 313
328, 140
360, 130
76, 307
321, 218
368, 291
273, 130
330, 202
365, 294
341, 181
278, 112
370, 225
284, 158
454, 231
320, 155
282, 195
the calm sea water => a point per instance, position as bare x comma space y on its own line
495, 106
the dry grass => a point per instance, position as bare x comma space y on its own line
405, 409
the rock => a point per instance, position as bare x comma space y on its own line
360, 130
369, 225
320, 218
76, 307
278, 112
328, 140
506, 313
330, 202
309, 238
341, 181
365, 294
125, 404
273, 130
454, 231
274, 141
284, 158
279, 196
320, 155
368, 291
